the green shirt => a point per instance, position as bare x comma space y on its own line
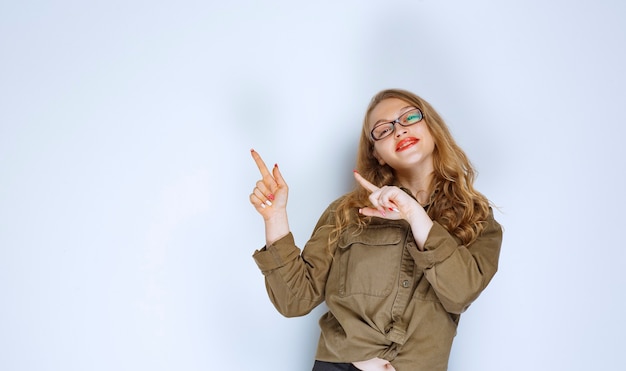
385, 297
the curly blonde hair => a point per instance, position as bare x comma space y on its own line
454, 203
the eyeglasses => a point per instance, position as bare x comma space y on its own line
384, 129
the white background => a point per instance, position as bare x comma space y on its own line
125, 127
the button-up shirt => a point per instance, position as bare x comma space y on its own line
386, 298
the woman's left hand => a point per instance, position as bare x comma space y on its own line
389, 202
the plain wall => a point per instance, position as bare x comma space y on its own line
126, 233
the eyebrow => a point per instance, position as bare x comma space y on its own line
403, 110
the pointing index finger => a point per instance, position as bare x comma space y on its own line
260, 164
364, 182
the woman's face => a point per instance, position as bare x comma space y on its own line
407, 147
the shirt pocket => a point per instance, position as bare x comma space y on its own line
369, 262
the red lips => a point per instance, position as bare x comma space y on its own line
406, 143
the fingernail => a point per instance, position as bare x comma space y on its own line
275, 165
354, 170
263, 206
360, 211
251, 149
268, 202
270, 197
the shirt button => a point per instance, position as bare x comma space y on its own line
405, 283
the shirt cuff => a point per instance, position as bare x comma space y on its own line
439, 245
277, 254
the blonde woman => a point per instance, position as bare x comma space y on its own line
398, 259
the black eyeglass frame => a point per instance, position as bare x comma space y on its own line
394, 122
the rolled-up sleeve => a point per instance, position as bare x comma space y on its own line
296, 281
459, 273
276, 255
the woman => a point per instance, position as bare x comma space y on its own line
399, 258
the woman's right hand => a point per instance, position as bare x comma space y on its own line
269, 196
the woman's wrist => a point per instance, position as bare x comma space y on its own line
420, 224
276, 228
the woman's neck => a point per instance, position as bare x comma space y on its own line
418, 183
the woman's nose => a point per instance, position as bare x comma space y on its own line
400, 131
